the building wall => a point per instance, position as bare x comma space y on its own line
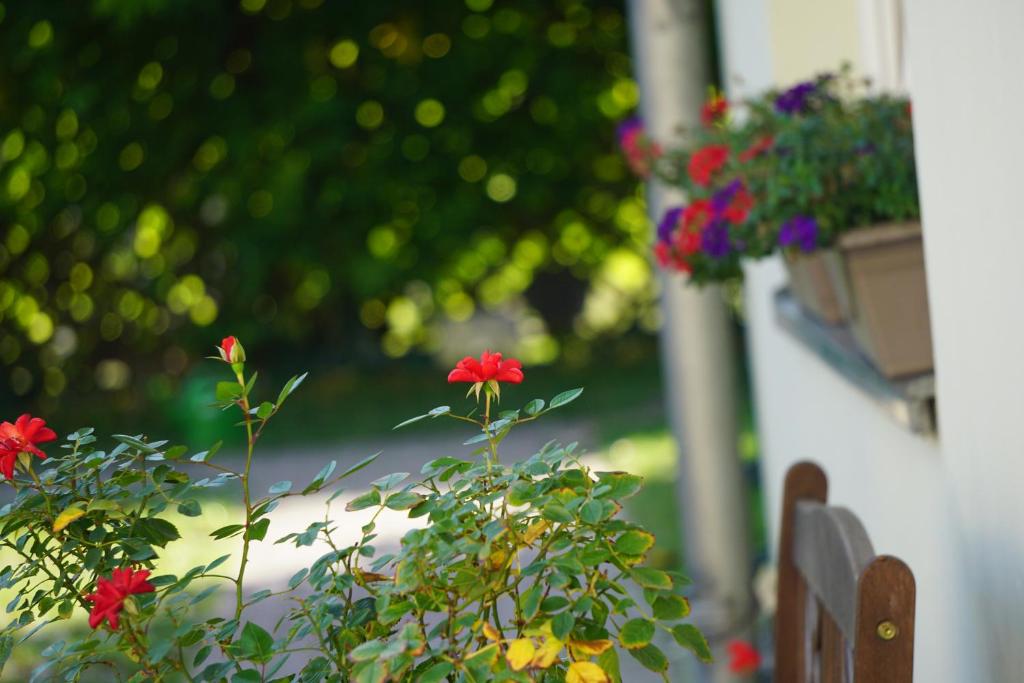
951, 506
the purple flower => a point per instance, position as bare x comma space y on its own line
794, 100
668, 224
721, 200
799, 230
714, 240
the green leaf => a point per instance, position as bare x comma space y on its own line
157, 531
247, 676
609, 661
565, 397
258, 531
403, 500
648, 577
561, 625
390, 481
592, 511
671, 607
360, 465
621, 484
651, 657
6, 646
375, 671
265, 410
531, 601
556, 513
280, 487
228, 391
290, 386
411, 420
216, 563
534, 406
367, 651
436, 673
190, 508
321, 477
255, 643
635, 542
636, 633
227, 531
690, 637
368, 500
205, 456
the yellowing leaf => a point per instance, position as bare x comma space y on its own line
520, 653
534, 531
589, 648
548, 653
490, 632
70, 514
586, 672
496, 560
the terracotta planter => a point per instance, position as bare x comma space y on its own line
816, 281
884, 270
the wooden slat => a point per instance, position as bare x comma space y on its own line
804, 481
833, 651
887, 593
831, 549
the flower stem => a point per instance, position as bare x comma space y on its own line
250, 445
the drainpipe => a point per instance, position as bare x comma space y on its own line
670, 45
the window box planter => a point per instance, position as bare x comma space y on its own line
816, 280
883, 268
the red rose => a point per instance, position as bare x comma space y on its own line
743, 657
231, 350
714, 110
490, 367
22, 437
706, 161
760, 146
111, 593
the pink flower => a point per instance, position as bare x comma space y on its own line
490, 367
22, 437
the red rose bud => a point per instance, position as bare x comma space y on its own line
231, 350
22, 437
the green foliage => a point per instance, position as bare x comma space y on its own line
521, 572
370, 171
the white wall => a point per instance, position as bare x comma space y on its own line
952, 507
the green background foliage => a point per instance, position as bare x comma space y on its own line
344, 179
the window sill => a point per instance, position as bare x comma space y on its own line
911, 401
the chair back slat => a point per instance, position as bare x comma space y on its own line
831, 550
844, 614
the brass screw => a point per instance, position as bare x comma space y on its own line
887, 630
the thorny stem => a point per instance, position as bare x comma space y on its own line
250, 445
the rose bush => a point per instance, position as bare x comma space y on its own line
522, 571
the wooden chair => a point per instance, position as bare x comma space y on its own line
845, 615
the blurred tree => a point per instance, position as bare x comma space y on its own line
308, 173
